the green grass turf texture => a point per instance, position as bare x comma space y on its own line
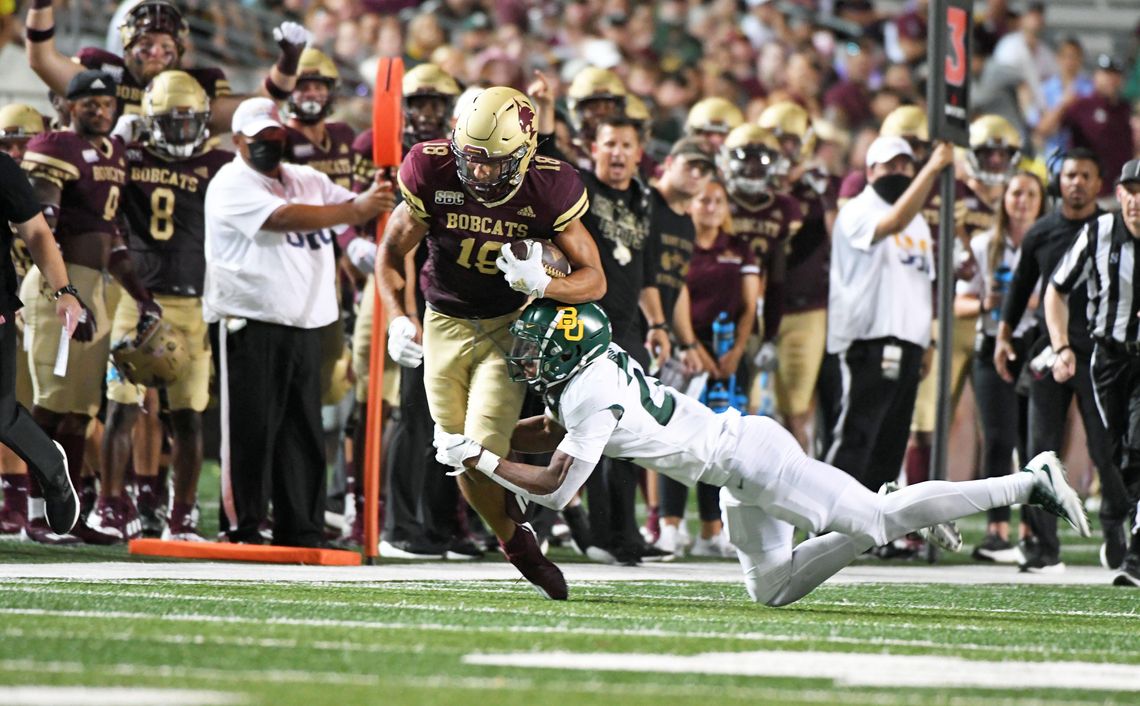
402, 643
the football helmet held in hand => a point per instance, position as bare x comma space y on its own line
155, 356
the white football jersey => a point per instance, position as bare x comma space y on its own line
657, 426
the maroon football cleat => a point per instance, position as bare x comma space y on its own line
522, 551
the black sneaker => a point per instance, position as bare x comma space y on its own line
1038, 561
650, 553
1000, 551
1129, 574
579, 526
61, 502
421, 550
1115, 544
463, 549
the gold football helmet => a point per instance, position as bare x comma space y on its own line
752, 161
602, 90
493, 142
995, 150
314, 65
154, 16
19, 121
792, 126
154, 355
176, 111
909, 123
713, 115
429, 98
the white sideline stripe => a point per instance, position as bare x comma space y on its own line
171, 671
111, 696
846, 669
487, 629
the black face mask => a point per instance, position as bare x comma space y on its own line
890, 187
265, 156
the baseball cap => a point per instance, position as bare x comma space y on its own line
884, 149
254, 115
1130, 172
691, 148
1107, 62
90, 83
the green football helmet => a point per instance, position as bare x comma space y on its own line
553, 341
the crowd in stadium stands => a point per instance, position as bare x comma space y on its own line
735, 136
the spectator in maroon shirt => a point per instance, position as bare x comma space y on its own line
848, 102
1102, 122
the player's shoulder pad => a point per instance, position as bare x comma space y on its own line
362, 143
212, 80
342, 133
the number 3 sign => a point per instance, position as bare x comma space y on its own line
951, 24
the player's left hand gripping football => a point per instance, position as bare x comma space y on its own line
292, 38
453, 449
525, 275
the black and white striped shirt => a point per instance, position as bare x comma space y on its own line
1104, 256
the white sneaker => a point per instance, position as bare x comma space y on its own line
667, 541
711, 547
601, 556
726, 549
1052, 492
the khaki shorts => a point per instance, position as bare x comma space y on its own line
469, 389
25, 394
961, 357
192, 390
800, 348
80, 390
332, 352
362, 351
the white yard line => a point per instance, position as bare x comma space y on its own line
112, 696
719, 572
845, 668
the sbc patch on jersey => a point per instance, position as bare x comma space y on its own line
449, 198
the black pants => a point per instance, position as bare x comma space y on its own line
675, 495
1116, 383
272, 405
1002, 413
18, 431
875, 404
421, 500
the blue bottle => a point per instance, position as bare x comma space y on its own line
1003, 275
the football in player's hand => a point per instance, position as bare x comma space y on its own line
553, 259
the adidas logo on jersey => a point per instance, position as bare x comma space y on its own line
526, 211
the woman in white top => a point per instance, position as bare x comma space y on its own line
1001, 410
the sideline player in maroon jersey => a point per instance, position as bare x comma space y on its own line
467, 199
163, 204
78, 175
154, 35
312, 139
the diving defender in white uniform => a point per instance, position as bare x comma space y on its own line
600, 402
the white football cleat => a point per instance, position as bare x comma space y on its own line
1051, 491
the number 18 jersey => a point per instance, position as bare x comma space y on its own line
657, 427
460, 278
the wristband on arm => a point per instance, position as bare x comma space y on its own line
35, 36
487, 463
275, 91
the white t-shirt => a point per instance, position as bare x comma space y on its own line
269, 276
878, 289
982, 281
657, 427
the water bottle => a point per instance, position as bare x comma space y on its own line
724, 334
1003, 275
720, 393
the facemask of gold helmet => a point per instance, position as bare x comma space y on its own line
176, 112
751, 161
154, 16
494, 139
995, 150
909, 123
429, 98
791, 125
18, 124
713, 117
593, 95
308, 102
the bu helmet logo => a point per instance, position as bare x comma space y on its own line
572, 328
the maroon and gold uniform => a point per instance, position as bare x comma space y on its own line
334, 158
363, 169
460, 278
130, 90
91, 176
767, 226
809, 249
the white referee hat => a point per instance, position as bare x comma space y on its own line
254, 115
884, 149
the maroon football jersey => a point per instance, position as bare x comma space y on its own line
460, 277
333, 158
130, 90
363, 169
767, 226
809, 249
166, 226
90, 176
714, 280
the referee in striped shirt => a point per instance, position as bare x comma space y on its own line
1104, 257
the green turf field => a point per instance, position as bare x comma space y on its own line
410, 643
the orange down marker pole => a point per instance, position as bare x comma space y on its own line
387, 151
